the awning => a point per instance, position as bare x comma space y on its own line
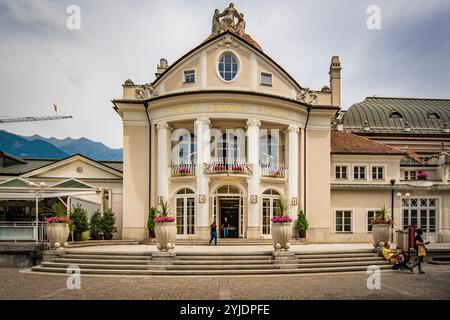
44, 195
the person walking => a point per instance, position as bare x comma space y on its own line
419, 246
225, 227
213, 233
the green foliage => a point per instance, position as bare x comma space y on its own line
108, 222
95, 225
302, 223
382, 214
80, 219
57, 210
164, 208
282, 208
150, 219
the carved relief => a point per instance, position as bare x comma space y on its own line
307, 96
146, 91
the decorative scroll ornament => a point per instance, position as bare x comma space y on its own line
226, 21
307, 96
146, 91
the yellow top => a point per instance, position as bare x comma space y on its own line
387, 254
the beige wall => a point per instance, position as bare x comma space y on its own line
136, 178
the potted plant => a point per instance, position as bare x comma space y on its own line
165, 228
80, 220
380, 226
95, 225
108, 224
422, 175
281, 226
302, 224
58, 224
151, 222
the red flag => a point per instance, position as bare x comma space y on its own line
55, 107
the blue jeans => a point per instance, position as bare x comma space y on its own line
225, 232
419, 262
213, 237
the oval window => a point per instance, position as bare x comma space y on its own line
228, 67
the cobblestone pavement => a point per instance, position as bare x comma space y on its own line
435, 284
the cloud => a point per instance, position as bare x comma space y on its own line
81, 71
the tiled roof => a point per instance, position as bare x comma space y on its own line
348, 143
246, 37
418, 116
34, 164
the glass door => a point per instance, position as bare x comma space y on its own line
422, 213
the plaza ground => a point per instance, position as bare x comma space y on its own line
435, 284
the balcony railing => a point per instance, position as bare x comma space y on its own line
228, 166
276, 170
22, 231
183, 169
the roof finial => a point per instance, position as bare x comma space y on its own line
225, 21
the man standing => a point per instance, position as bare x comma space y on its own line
225, 227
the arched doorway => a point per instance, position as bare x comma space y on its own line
270, 200
228, 202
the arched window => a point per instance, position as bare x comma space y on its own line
184, 147
272, 192
396, 115
228, 189
228, 67
185, 210
433, 116
269, 149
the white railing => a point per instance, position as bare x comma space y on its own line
22, 231
228, 166
273, 170
183, 169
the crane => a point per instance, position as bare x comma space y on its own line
33, 119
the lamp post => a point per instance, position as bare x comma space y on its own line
37, 188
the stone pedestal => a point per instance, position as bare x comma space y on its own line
253, 233
283, 258
202, 233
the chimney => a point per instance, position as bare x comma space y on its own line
335, 81
161, 67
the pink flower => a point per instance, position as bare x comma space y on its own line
280, 219
161, 219
422, 174
379, 221
58, 220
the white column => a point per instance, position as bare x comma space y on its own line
293, 159
203, 136
163, 160
253, 225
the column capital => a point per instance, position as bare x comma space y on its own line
203, 121
162, 125
253, 123
294, 129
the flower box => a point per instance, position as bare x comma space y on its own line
422, 175
219, 168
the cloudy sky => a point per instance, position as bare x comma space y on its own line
42, 62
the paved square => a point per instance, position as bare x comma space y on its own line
435, 284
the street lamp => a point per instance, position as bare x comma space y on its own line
38, 189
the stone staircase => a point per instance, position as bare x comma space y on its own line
211, 263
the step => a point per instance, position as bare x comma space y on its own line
212, 262
335, 255
342, 264
109, 253
209, 272
100, 261
104, 256
351, 259
221, 258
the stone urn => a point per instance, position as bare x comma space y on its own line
281, 235
165, 233
57, 235
380, 233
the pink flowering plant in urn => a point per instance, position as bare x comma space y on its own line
58, 226
381, 224
165, 228
281, 226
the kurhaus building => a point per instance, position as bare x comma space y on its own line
225, 131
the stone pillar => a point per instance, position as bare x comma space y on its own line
163, 160
293, 170
253, 223
203, 136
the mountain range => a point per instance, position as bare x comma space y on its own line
37, 146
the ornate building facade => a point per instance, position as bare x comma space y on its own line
225, 131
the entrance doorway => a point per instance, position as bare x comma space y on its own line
229, 203
229, 209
